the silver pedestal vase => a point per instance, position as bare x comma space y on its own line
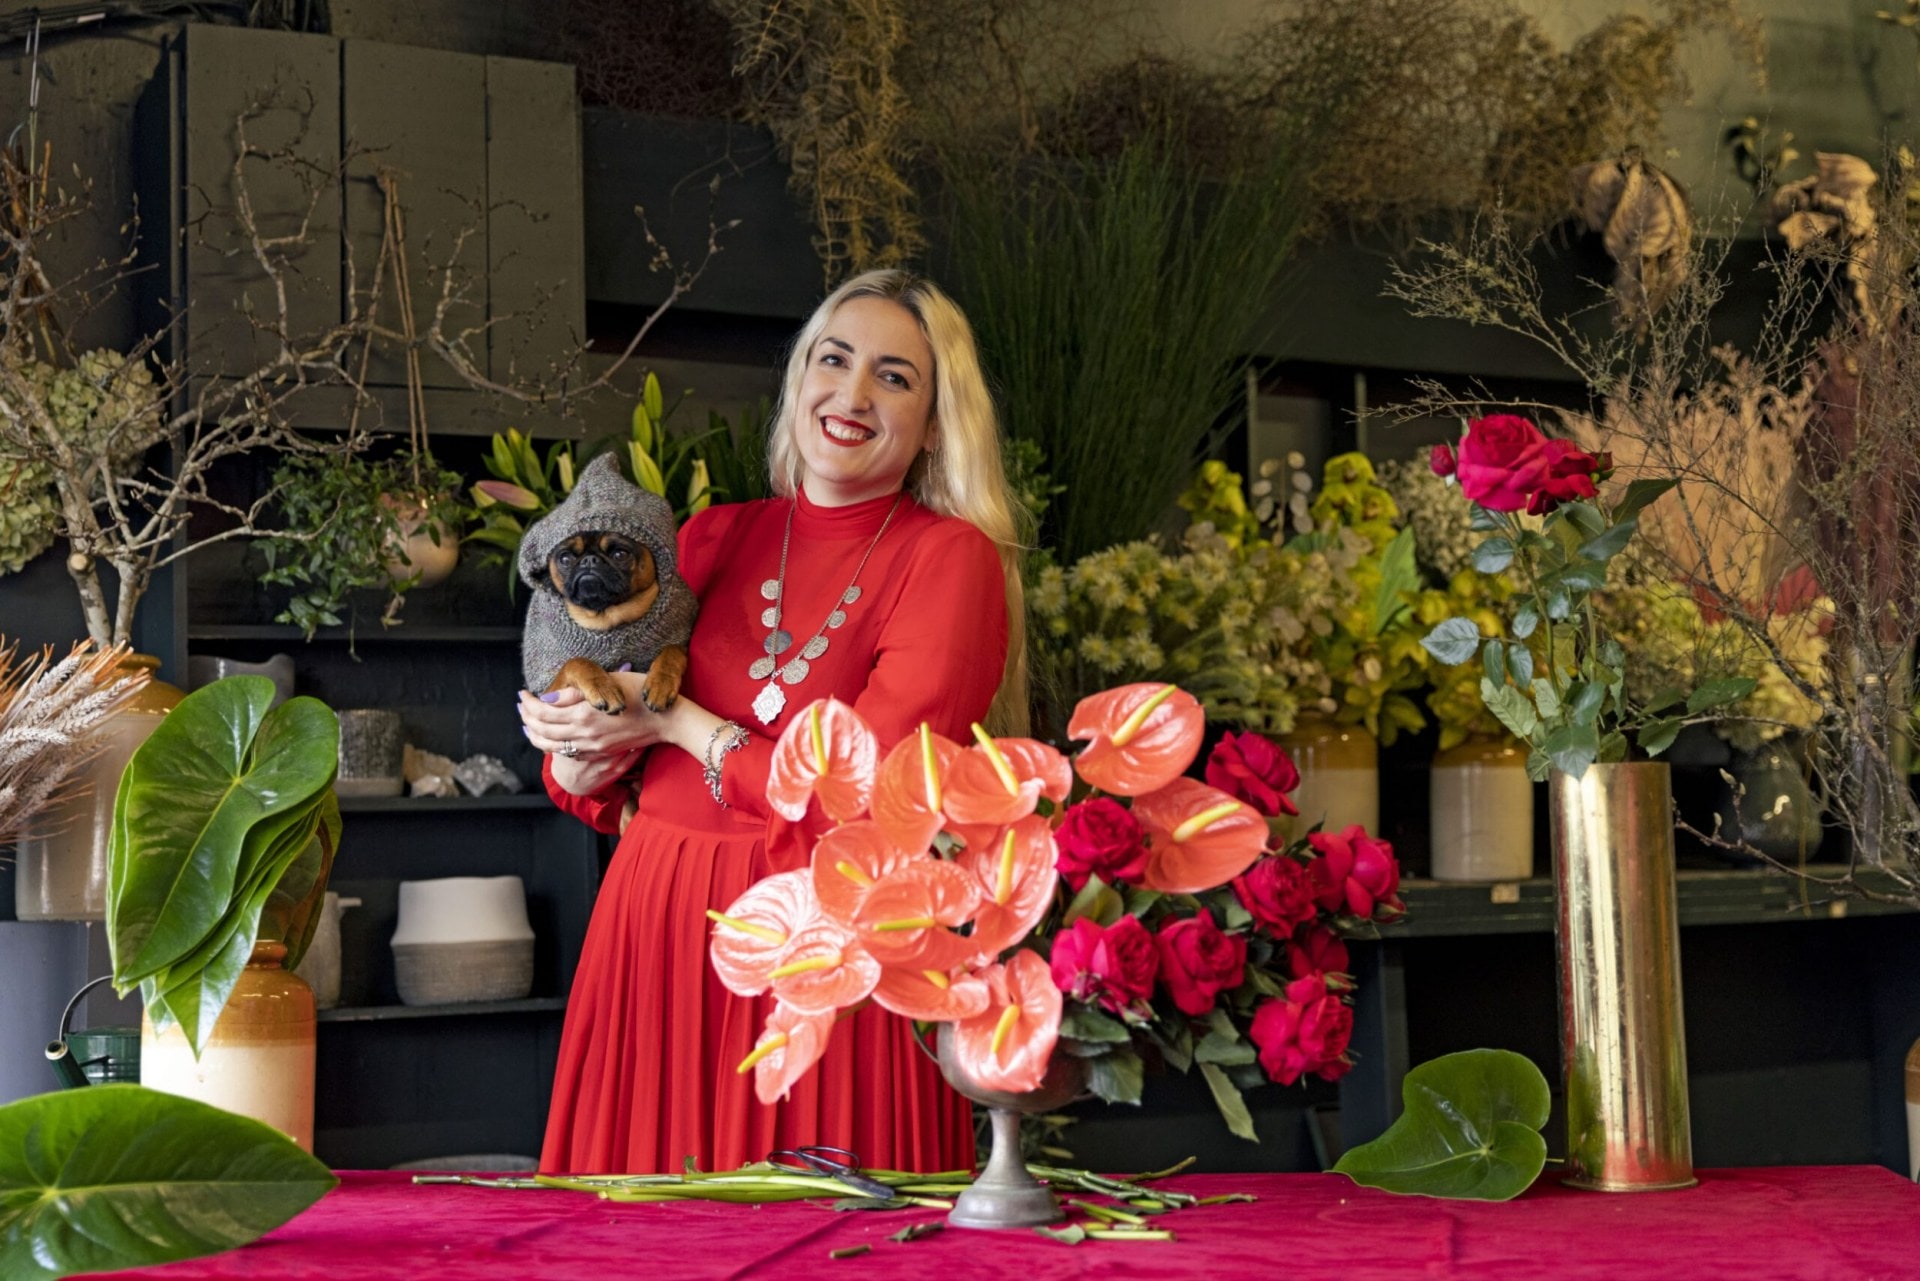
1006, 1195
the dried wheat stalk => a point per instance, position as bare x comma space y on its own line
48, 714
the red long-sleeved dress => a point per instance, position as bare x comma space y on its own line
646, 1066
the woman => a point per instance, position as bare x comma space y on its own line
887, 565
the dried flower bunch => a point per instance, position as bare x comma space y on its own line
954, 884
48, 711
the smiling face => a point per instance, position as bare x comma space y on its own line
865, 407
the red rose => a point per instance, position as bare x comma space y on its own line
1278, 892
1255, 769
1501, 462
1113, 965
1100, 837
1304, 1030
1441, 459
1355, 873
1569, 474
1198, 962
1315, 949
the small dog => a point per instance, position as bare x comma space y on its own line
606, 593
607, 581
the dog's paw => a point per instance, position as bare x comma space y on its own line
660, 692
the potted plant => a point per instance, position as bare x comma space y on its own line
224, 831
351, 522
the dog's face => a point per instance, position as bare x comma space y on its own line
605, 579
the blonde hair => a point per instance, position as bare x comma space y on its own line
962, 475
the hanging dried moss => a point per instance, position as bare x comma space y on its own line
665, 57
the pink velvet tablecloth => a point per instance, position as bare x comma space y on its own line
1842, 1222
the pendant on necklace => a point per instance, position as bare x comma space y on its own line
761, 669
769, 702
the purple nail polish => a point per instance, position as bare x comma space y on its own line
526, 731
551, 696
624, 667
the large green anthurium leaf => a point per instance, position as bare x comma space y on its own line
293, 909
116, 1176
1471, 1130
218, 764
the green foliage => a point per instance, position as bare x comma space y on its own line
225, 827
1114, 298
1573, 707
341, 519
116, 1176
1470, 1130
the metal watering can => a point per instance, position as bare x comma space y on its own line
97, 1055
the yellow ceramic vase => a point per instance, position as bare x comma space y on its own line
1480, 812
1339, 774
259, 1060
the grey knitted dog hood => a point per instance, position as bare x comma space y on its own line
603, 501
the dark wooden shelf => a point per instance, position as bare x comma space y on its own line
1731, 897
530, 800
440, 634
463, 1009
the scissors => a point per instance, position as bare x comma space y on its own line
830, 1163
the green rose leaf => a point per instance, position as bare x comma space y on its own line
1639, 494
1520, 663
116, 1176
1525, 619
1493, 555
1572, 748
1480, 520
1585, 517
1611, 543
1084, 1024
1546, 698
1117, 1077
1718, 693
1511, 706
1227, 1097
1587, 698
1493, 662
1452, 642
1471, 1130
1657, 736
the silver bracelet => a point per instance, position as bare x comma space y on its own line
726, 737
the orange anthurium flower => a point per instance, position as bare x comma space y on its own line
1016, 879
825, 751
792, 1043
749, 937
1199, 837
932, 996
907, 798
985, 790
905, 919
822, 968
1007, 1045
850, 860
1140, 737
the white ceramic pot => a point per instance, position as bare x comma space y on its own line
418, 553
204, 669
462, 938
320, 967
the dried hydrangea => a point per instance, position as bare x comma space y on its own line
29, 513
1440, 517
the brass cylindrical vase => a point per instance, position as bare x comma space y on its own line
1622, 1037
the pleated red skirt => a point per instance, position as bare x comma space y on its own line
646, 1073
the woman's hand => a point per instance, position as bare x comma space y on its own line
591, 749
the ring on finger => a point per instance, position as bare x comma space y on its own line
568, 750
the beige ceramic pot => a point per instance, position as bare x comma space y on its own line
259, 1061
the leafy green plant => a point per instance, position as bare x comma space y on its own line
342, 517
224, 831
1114, 299
1470, 1130
116, 1176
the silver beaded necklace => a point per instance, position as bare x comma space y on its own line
772, 700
